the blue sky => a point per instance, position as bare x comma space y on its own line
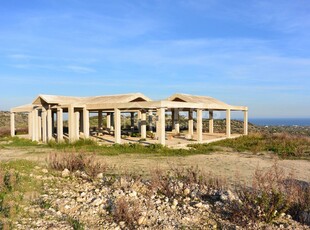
245, 52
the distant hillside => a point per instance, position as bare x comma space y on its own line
21, 123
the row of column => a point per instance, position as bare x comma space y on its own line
40, 123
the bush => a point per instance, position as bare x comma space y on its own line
77, 161
271, 194
126, 210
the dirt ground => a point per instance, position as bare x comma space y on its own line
231, 165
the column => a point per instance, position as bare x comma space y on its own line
228, 128
151, 120
139, 121
176, 121
161, 126
245, 122
172, 119
112, 121
12, 124
44, 125
143, 124
108, 121
77, 124
190, 123
117, 124
30, 125
71, 123
99, 119
49, 124
53, 122
211, 122
86, 123
40, 126
132, 119
35, 125
199, 125
60, 134
81, 121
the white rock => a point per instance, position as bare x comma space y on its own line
44, 170
174, 202
97, 202
83, 194
186, 191
133, 194
141, 220
65, 173
100, 175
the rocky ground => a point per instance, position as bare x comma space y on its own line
72, 200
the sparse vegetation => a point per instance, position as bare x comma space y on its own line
77, 162
14, 183
126, 210
284, 145
272, 194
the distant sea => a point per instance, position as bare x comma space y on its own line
281, 121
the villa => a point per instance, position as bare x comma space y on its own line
47, 113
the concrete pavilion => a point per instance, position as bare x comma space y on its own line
46, 116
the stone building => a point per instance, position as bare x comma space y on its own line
47, 113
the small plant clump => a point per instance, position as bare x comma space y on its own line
77, 162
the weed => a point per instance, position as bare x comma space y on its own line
75, 223
77, 161
126, 210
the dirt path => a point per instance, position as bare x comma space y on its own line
227, 164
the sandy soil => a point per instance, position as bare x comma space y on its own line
231, 165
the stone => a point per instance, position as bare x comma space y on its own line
141, 220
133, 194
186, 191
174, 202
97, 202
45, 171
65, 173
100, 175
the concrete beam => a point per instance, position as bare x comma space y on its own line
211, 122
199, 125
117, 124
12, 122
228, 123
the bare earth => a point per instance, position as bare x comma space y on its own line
230, 165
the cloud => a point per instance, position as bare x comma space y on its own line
80, 69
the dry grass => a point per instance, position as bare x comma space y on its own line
174, 182
77, 161
128, 211
272, 193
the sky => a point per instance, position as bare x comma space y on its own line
245, 52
